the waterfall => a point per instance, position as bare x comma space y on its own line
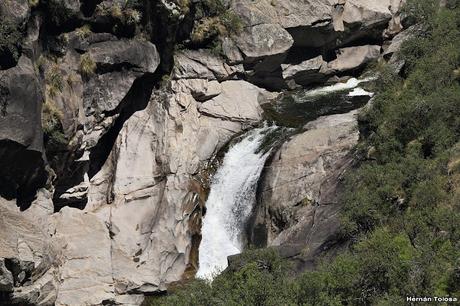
230, 202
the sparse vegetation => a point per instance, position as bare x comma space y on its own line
84, 31
215, 20
34, 3
54, 80
124, 12
87, 65
51, 124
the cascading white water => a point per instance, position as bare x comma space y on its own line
350, 84
230, 203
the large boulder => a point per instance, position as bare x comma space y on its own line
313, 70
322, 23
354, 57
91, 98
274, 32
201, 64
262, 40
137, 55
22, 168
240, 101
18, 11
264, 43
27, 256
344, 21
297, 203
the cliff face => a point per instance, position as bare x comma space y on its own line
106, 129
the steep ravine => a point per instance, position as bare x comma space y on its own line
110, 112
231, 206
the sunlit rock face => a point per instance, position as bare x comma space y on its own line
107, 134
297, 202
134, 235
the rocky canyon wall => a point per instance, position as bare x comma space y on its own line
110, 119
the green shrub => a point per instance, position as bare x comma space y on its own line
260, 277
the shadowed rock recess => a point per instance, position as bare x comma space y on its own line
115, 114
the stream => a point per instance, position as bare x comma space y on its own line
233, 187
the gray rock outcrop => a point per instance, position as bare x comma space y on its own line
308, 72
201, 64
135, 234
354, 57
139, 56
22, 167
297, 203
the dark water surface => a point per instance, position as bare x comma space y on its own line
296, 108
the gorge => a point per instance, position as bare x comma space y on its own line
148, 145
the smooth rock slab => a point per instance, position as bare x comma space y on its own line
239, 101
354, 57
297, 203
141, 56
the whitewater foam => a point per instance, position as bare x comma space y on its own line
350, 84
230, 203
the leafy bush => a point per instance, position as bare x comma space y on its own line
260, 278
